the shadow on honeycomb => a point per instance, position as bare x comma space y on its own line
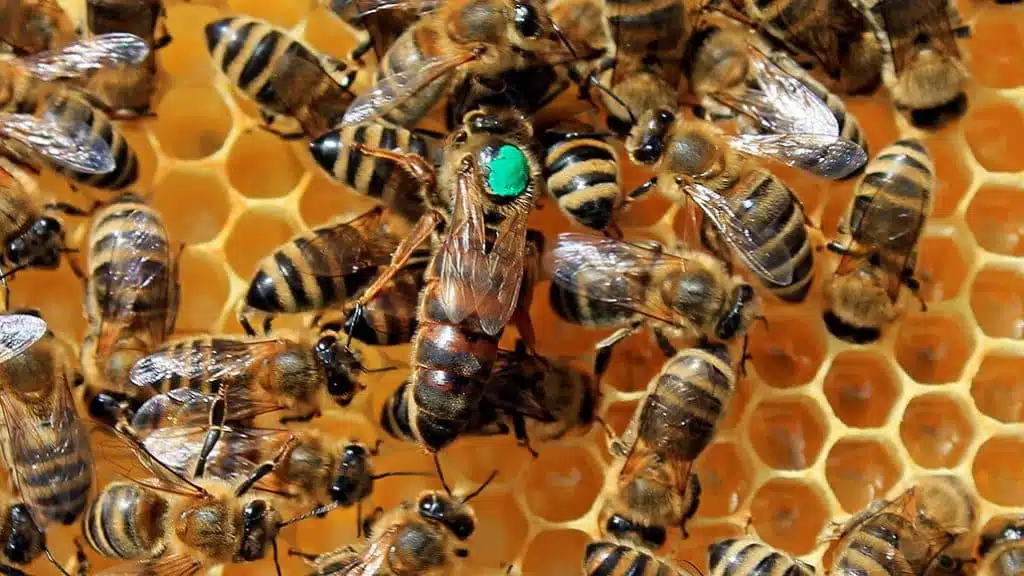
816, 430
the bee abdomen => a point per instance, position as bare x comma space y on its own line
582, 174
747, 557
394, 415
407, 54
247, 51
66, 477
126, 521
610, 559
578, 309
67, 108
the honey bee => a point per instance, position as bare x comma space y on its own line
878, 242
304, 276
127, 89
390, 318
582, 170
603, 282
925, 72
1000, 549
944, 500
889, 537
609, 558
340, 153
480, 198
168, 524
836, 35
32, 86
382, 26
459, 38
45, 444
746, 556
283, 76
30, 27
669, 430
131, 303
256, 375
421, 539
733, 73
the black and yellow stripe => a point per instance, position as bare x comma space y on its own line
749, 557
126, 521
610, 559
582, 172
417, 46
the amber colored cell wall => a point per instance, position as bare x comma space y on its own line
815, 430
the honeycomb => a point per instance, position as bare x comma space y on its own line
816, 429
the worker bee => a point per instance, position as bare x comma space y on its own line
382, 27
836, 36
305, 275
878, 242
480, 198
283, 76
29, 27
734, 73
421, 539
603, 282
669, 430
340, 152
30, 86
582, 170
607, 558
169, 524
45, 444
889, 537
944, 500
127, 90
925, 72
1000, 549
131, 303
459, 38
745, 556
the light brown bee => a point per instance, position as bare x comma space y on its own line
878, 240
669, 430
925, 71
307, 275
131, 303
46, 448
603, 282
582, 169
835, 35
1000, 549
282, 75
95, 152
29, 27
945, 500
127, 90
747, 557
616, 559
459, 38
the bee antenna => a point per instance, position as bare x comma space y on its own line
318, 511
475, 493
696, 570
53, 561
564, 40
615, 97
440, 475
407, 473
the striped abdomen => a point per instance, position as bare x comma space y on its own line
574, 305
652, 27
881, 546
411, 51
390, 318
791, 19
247, 51
126, 521
687, 399
64, 107
610, 559
395, 416
582, 172
749, 557
897, 185
375, 177
765, 204
125, 87
205, 352
61, 471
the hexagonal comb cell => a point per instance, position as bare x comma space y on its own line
204, 290
495, 543
952, 175
997, 482
789, 514
178, 193
991, 127
194, 124
936, 430
860, 471
861, 388
562, 482
997, 300
996, 217
789, 351
998, 68
555, 553
998, 387
253, 236
933, 348
724, 478
941, 269
787, 433
258, 147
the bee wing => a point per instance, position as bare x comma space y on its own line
185, 407
36, 439
349, 247
826, 156
510, 392
237, 454
127, 456
67, 144
748, 244
173, 565
18, 332
610, 271
83, 56
391, 90
217, 360
505, 262
375, 557
906, 22
463, 253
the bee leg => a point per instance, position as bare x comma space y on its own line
304, 418
357, 53
419, 234
604, 349
370, 520
216, 418
667, 347
642, 189
303, 555
80, 563
914, 285
243, 319
162, 42
69, 209
6, 570
266, 467
7, 289
519, 428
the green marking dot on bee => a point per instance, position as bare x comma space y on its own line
509, 172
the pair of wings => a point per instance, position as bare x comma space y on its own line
215, 360
70, 145
472, 278
906, 23
349, 247
34, 439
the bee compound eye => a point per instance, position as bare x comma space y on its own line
527, 21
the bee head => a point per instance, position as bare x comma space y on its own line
38, 246
441, 508
646, 141
260, 524
23, 541
338, 361
353, 481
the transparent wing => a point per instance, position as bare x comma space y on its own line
173, 565
83, 56
751, 246
212, 360
129, 458
463, 254
391, 90
18, 332
611, 271
505, 262
349, 247
515, 386
67, 144
238, 452
184, 407
826, 156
